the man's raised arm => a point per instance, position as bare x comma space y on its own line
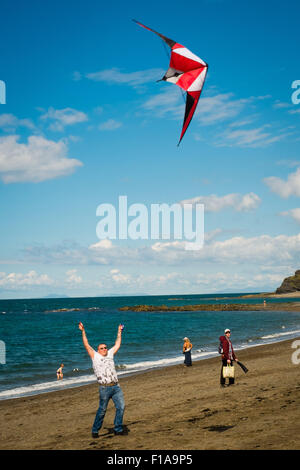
89, 349
117, 345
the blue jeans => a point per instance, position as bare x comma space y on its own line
106, 393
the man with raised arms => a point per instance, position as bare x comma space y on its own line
104, 369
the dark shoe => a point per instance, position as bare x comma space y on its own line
120, 433
222, 385
95, 435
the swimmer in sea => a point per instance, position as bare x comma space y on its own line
59, 372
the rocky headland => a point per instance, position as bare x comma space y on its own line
290, 284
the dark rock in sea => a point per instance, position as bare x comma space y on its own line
290, 284
249, 307
192, 308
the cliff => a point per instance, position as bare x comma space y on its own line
290, 284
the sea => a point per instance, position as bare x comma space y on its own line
37, 335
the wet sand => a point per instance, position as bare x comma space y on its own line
288, 295
171, 408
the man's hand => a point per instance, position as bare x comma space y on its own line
228, 361
120, 329
81, 327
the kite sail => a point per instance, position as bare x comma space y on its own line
187, 71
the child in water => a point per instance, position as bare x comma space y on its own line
59, 372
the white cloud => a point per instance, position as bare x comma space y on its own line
248, 202
214, 203
63, 117
262, 97
76, 76
199, 282
220, 280
294, 213
98, 110
257, 137
168, 102
220, 107
208, 236
262, 279
237, 262
120, 278
72, 277
166, 246
110, 125
290, 187
288, 163
19, 280
73, 138
210, 110
106, 244
241, 123
217, 109
37, 160
115, 76
262, 250
9, 123
121, 281
282, 105
142, 281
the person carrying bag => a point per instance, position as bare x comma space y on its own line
228, 356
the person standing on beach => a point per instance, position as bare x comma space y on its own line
59, 372
109, 388
228, 355
187, 351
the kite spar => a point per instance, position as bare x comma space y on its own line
187, 71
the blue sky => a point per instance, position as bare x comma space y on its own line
85, 121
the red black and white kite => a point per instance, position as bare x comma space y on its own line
188, 72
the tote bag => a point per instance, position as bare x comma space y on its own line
228, 371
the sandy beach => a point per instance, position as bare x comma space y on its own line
289, 295
285, 296
171, 408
